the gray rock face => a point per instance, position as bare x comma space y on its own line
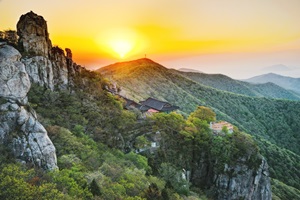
19, 127
14, 81
239, 181
244, 183
40, 70
60, 69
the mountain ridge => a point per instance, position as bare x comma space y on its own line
225, 83
286, 82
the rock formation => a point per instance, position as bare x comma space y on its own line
238, 181
19, 127
39, 63
244, 182
46, 65
33, 35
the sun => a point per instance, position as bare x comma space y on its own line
120, 42
121, 46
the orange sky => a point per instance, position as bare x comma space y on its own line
235, 37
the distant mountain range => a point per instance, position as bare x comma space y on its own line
288, 83
226, 83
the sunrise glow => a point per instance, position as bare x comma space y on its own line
219, 36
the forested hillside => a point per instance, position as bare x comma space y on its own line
89, 129
267, 119
88, 126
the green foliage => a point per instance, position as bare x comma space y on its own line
18, 183
72, 182
95, 189
284, 165
283, 191
93, 116
141, 142
204, 114
139, 161
186, 143
99, 113
153, 192
225, 129
173, 176
90, 169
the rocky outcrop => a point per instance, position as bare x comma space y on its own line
46, 65
33, 35
19, 127
239, 181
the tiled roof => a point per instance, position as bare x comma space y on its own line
158, 105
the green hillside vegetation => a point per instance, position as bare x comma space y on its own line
91, 132
271, 119
283, 191
89, 129
92, 165
274, 120
94, 139
226, 83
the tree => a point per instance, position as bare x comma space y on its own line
95, 189
225, 129
141, 142
204, 113
153, 193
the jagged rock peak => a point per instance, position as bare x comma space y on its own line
33, 35
48, 66
69, 53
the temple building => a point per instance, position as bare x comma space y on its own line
152, 105
217, 127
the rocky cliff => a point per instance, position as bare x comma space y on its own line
46, 65
240, 181
37, 62
20, 130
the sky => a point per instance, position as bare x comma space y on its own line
238, 38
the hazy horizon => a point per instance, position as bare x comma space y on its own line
237, 38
